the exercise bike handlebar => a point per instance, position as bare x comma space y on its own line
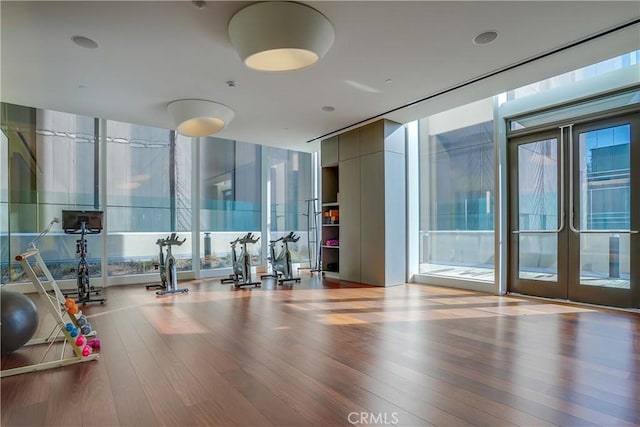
291, 237
173, 239
248, 239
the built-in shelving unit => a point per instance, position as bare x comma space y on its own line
331, 237
330, 219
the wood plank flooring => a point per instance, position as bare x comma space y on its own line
327, 353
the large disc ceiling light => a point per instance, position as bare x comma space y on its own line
280, 36
197, 117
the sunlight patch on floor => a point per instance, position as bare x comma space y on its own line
411, 314
172, 320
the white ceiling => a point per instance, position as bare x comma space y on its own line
153, 52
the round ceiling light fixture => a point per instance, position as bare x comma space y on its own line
280, 36
197, 117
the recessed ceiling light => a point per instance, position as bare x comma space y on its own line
328, 108
388, 81
485, 37
85, 42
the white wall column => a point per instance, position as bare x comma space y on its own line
500, 200
104, 267
195, 207
265, 223
413, 199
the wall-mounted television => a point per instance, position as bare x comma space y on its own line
72, 221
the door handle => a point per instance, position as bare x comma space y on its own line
536, 231
608, 231
572, 227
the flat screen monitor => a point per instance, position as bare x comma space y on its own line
72, 221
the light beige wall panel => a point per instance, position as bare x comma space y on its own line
372, 138
329, 151
349, 145
350, 220
372, 205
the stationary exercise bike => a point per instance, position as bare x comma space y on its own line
281, 263
167, 266
242, 263
74, 222
234, 259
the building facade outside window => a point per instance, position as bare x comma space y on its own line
289, 187
457, 189
143, 186
230, 198
51, 162
457, 193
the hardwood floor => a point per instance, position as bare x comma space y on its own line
323, 353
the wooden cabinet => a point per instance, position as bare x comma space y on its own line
363, 177
329, 151
350, 184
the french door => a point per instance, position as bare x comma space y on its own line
574, 212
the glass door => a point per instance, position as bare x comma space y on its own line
574, 212
537, 220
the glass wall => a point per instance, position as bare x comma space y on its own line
4, 207
457, 193
290, 186
230, 198
456, 164
144, 187
50, 164
51, 161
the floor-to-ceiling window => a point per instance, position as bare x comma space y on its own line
4, 207
289, 188
457, 193
49, 165
230, 198
143, 188
459, 154
55, 161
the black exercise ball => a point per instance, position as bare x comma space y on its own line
19, 320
